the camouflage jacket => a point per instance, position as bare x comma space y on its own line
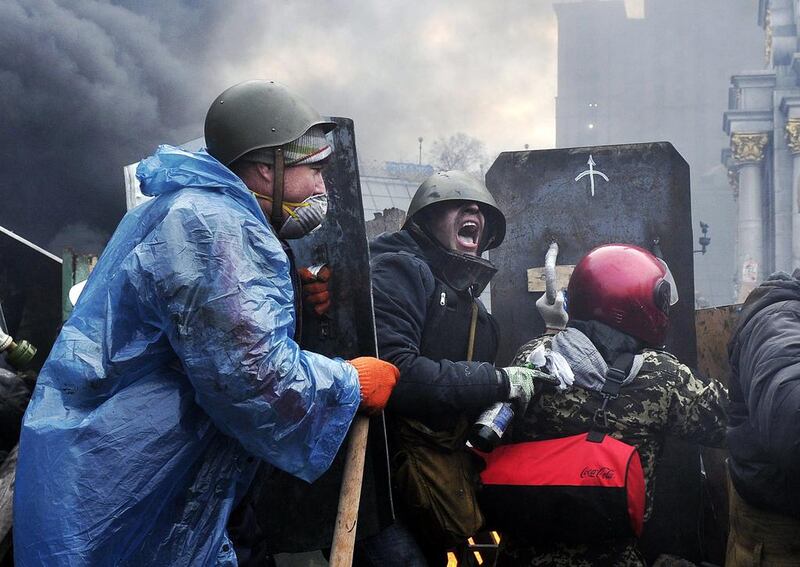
665, 399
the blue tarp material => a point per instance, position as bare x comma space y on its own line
176, 368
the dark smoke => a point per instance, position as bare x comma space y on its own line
85, 88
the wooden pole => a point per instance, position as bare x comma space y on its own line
344, 534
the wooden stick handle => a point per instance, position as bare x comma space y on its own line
344, 534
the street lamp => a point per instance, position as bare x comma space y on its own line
704, 240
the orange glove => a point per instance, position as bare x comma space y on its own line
315, 288
377, 379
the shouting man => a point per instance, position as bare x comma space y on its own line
430, 323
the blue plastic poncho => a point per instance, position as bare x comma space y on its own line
176, 368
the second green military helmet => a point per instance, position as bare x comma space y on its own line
461, 186
257, 114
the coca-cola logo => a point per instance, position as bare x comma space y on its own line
599, 472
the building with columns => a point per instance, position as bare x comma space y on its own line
763, 157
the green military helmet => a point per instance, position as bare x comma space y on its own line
460, 186
257, 114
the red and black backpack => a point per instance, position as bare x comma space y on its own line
581, 488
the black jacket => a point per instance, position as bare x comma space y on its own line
764, 414
422, 327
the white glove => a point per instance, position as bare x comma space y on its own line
555, 364
554, 315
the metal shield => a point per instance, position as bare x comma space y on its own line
582, 198
301, 516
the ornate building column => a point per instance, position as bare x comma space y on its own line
793, 141
748, 153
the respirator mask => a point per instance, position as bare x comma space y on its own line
304, 217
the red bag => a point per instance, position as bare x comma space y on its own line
565, 489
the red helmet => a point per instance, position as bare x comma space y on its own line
625, 287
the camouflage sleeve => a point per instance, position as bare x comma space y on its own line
697, 407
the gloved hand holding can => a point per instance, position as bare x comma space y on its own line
315, 287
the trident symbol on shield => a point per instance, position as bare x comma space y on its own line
591, 172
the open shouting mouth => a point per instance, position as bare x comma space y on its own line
468, 235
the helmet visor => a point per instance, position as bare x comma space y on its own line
673, 289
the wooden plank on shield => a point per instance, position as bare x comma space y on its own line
536, 278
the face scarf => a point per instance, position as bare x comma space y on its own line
304, 217
462, 272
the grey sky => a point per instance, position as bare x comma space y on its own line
406, 69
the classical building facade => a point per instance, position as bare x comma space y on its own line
763, 157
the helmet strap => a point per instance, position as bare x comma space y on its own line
276, 218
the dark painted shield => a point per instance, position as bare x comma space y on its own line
645, 199
299, 516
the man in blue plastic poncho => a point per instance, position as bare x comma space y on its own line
179, 369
